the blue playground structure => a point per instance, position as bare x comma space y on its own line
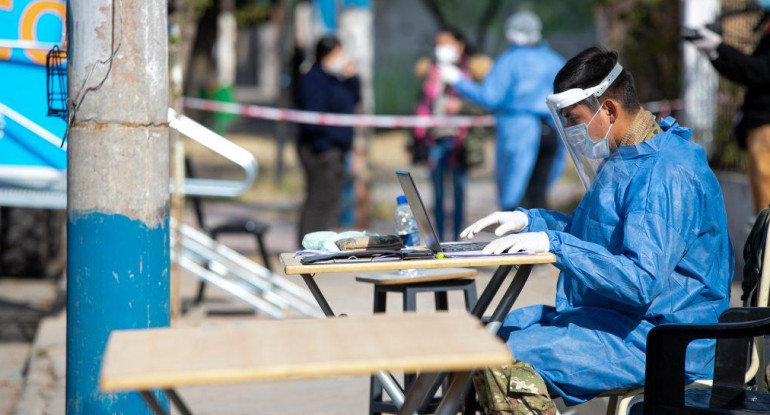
32, 158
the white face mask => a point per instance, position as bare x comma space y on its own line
335, 66
583, 143
516, 37
446, 54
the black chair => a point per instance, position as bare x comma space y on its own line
619, 400
242, 226
665, 392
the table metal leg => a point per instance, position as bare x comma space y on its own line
458, 386
461, 382
490, 290
153, 403
478, 311
391, 387
389, 384
177, 401
421, 393
509, 298
158, 409
318, 295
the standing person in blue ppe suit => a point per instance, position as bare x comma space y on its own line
515, 90
647, 245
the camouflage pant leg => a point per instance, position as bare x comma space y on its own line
515, 389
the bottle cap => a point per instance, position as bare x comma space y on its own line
401, 200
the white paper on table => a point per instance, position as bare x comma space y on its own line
467, 254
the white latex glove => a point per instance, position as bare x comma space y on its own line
450, 74
708, 43
535, 242
506, 222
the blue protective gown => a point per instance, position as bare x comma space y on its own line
515, 89
643, 248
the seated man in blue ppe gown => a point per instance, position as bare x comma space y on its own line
647, 245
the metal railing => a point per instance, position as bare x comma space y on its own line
201, 256
241, 277
46, 187
221, 146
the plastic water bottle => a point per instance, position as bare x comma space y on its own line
406, 226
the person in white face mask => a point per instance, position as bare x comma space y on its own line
331, 85
443, 147
528, 155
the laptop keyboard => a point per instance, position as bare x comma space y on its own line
462, 246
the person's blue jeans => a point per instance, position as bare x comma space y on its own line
442, 166
348, 209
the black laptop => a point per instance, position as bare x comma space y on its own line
427, 233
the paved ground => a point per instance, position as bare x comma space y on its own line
44, 390
22, 304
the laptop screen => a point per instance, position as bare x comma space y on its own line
427, 233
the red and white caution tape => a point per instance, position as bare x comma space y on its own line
340, 120
360, 120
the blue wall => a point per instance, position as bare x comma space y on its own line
23, 85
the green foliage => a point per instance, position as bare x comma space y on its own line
646, 35
482, 20
563, 16
255, 11
396, 91
726, 153
200, 6
396, 88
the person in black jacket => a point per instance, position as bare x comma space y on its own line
331, 85
753, 128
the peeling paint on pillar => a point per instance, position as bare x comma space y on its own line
117, 279
118, 190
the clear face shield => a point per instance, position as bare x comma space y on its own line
576, 113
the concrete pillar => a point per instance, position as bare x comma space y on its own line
118, 188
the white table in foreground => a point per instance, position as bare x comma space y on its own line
144, 360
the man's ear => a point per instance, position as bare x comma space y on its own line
612, 108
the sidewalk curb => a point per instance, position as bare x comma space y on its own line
43, 390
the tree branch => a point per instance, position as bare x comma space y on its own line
492, 9
435, 10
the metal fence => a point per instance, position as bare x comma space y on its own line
738, 27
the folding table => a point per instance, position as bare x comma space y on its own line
426, 385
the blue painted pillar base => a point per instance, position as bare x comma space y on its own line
117, 278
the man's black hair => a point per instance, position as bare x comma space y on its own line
459, 36
324, 47
590, 67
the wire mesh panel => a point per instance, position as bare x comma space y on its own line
738, 22
56, 79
